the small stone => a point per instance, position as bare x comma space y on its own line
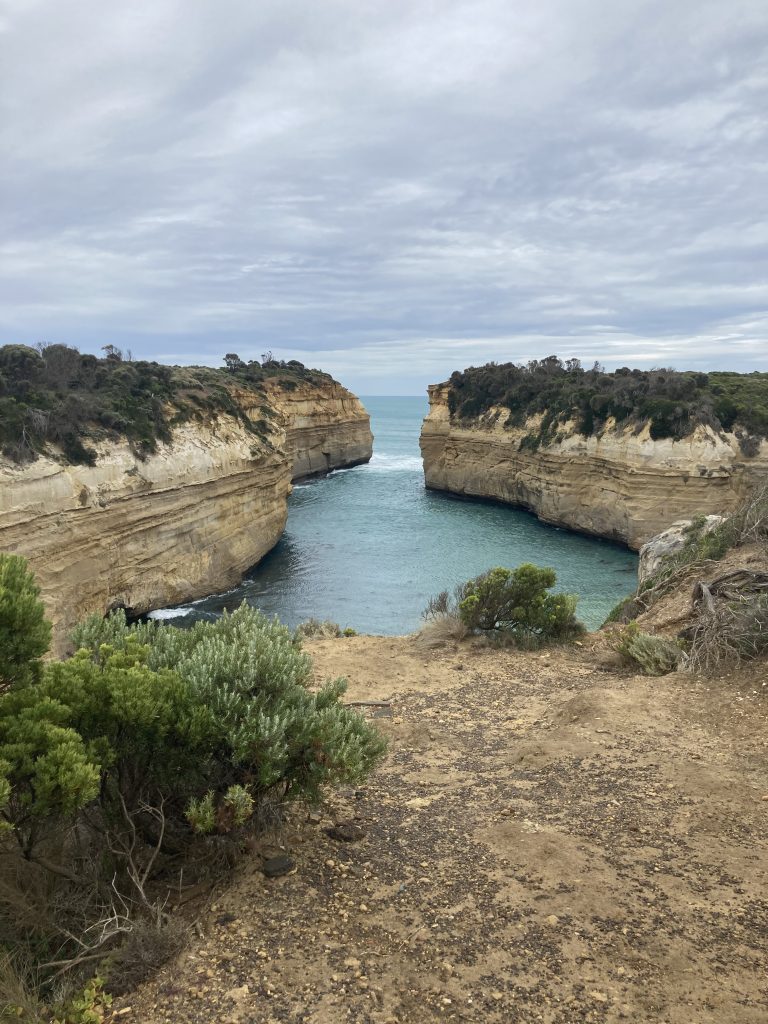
330, 863
364, 908
345, 832
601, 997
282, 864
314, 817
552, 920
237, 994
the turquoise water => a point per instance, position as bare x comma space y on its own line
367, 547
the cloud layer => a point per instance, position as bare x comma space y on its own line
388, 190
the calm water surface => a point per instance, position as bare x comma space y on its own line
367, 547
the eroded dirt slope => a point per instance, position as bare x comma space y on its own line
546, 842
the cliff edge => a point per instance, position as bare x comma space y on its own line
143, 530
613, 479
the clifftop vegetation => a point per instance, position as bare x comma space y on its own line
673, 402
53, 395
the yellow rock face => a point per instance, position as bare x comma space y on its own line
325, 427
618, 485
185, 522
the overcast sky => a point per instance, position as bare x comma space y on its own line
387, 189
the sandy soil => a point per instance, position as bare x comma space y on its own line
546, 842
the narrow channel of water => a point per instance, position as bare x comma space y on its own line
367, 547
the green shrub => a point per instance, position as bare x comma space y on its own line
672, 403
24, 632
518, 604
655, 655
117, 763
323, 630
619, 610
55, 396
247, 715
89, 1006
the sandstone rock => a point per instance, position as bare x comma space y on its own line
185, 522
618, 484
669, 542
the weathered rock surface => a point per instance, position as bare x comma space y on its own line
326, 427
185, 522
668, 543
619, 485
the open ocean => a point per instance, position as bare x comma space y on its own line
367, 547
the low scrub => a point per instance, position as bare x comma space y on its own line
439, 631
510, 605
323, 629
653, 655
150, 752
672, 403
703, 548
57, 400
731, 625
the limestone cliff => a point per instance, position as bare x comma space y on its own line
183, 522
618, 483
326, 427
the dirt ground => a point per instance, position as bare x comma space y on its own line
547, 841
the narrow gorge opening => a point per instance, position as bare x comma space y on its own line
368, 545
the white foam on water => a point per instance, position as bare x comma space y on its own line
383, 463
169, 613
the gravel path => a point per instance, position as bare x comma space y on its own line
546, 842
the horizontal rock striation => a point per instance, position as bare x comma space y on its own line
326, 428
184, 522
619, 484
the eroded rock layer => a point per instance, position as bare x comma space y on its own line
326, 428
184, 522
619, 484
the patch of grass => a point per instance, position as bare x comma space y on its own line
148, 945
440, 630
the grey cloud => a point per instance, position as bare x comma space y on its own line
389, 190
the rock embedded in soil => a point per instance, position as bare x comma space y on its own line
346, 832
276, 867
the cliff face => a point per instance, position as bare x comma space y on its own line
186, 521
326, 428
618, 484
